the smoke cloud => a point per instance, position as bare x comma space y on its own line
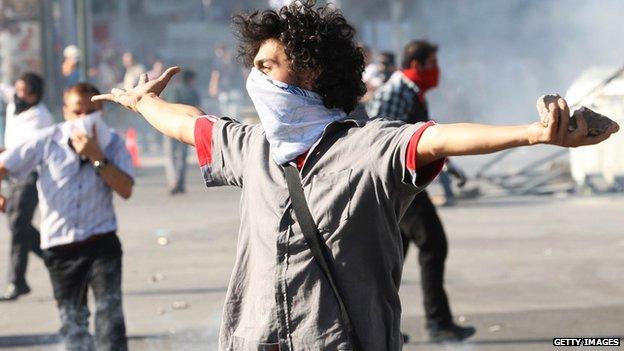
497, 57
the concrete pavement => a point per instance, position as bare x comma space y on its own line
523, 270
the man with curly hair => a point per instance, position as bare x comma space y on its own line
358, 179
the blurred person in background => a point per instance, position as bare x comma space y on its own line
26, 115
387, 65
80, 163
358, 179
402, 98
226, 80
157, 68
378, 72
371, 71
176, 152
133, 70
372, 78
145, 137
70, 66
107, 71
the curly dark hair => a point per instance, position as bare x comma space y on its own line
315, 40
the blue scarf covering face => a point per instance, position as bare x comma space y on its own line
293, 118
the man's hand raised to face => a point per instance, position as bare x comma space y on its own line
129, 98
557, 133
87, 146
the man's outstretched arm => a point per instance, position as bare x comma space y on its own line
444, 140
173, 120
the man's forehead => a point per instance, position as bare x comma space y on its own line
270, 49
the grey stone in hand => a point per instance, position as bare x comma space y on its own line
596, 123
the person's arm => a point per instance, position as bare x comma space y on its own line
173, 120
116, 179
443, 140
18, 162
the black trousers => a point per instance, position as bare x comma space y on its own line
422, 226
95, 263
22, 203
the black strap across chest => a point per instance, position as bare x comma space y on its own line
314, 240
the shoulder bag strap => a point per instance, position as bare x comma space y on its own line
313, 239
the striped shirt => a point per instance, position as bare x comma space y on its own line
74, 201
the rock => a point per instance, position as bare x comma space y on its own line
495, 328
179, 305
158, 277
542, 106
596, 123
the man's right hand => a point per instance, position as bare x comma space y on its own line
130, 97
3, 202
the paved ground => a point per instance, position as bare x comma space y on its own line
522, 270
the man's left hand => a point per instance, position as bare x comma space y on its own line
87, 146
556, 132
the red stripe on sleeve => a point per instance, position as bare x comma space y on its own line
203, 140
427, 173
412, 155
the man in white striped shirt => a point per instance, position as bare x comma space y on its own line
80, 162
26, 114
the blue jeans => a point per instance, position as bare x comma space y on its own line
445, 180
